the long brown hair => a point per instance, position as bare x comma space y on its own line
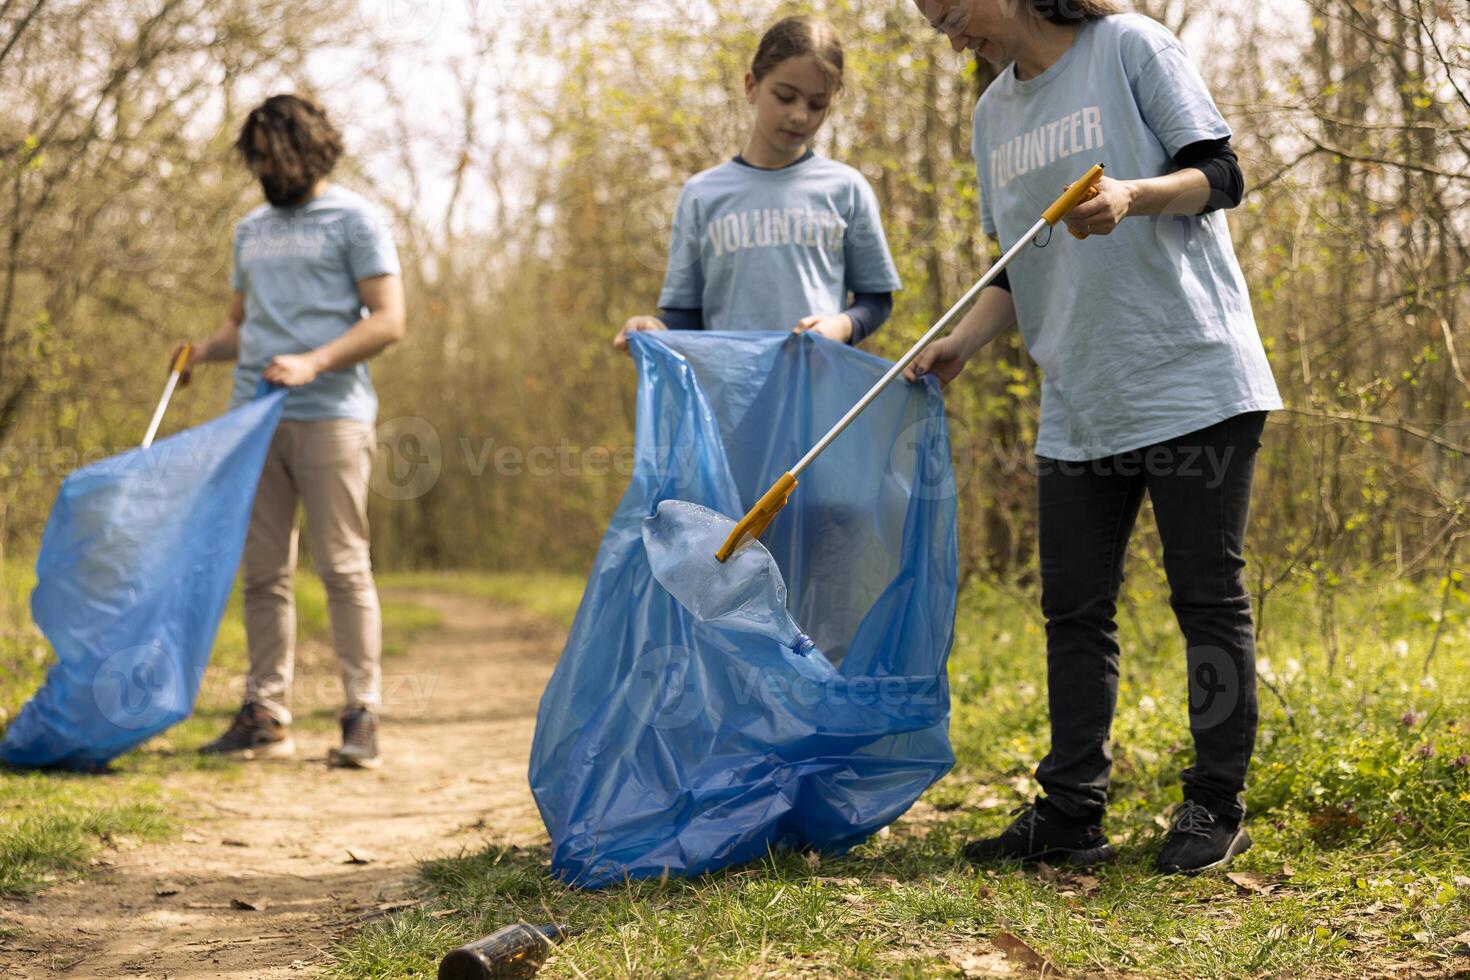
1074, 11
797, 37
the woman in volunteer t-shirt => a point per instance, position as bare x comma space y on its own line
1155, 380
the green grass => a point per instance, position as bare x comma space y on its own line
551, 595
53, 824
1359, 803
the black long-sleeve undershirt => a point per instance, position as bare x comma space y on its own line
868, 312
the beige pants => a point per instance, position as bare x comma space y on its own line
324, 465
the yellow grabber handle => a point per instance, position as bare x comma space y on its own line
759, 517
1074, 195
182, 361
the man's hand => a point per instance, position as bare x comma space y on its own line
197, 349
1102, 214
945, 359
836, 327
292, 370
636, 324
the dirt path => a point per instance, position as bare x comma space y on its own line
456, 737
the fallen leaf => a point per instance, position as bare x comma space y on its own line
250, 904
232, 842
885, 833
358, 856
838, 882
1287, 871
980, 962
390, 906
1046, 872
1247, 881
166, 888
813, 859
1086, 884
441, 913
1018, 952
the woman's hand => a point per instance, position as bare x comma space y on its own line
637, 324
945, 359
292, 370
1102, 214
836, 327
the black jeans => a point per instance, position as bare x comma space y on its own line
1200, 485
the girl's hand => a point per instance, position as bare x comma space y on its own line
945, 359
1103, 213
837, 327
637, 324
292, 370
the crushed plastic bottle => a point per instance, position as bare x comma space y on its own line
745, 592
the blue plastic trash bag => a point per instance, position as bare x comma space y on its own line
673, 744
136, 565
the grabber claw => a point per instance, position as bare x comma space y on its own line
759, 517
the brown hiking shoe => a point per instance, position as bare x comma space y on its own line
359, 741
254, 734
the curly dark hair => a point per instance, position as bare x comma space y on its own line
289, 144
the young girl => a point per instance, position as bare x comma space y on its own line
1155, 380
778, 237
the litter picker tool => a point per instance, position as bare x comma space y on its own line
759, 517
177, 372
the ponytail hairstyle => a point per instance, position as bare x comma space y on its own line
1067, 12
797, 37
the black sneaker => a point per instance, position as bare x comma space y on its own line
254, 734
1042, 832
1199, 839
359, 741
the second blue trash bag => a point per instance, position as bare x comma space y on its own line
135, 568
669, 746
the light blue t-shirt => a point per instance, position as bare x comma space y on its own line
1146, 333
759, 249
299, 268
